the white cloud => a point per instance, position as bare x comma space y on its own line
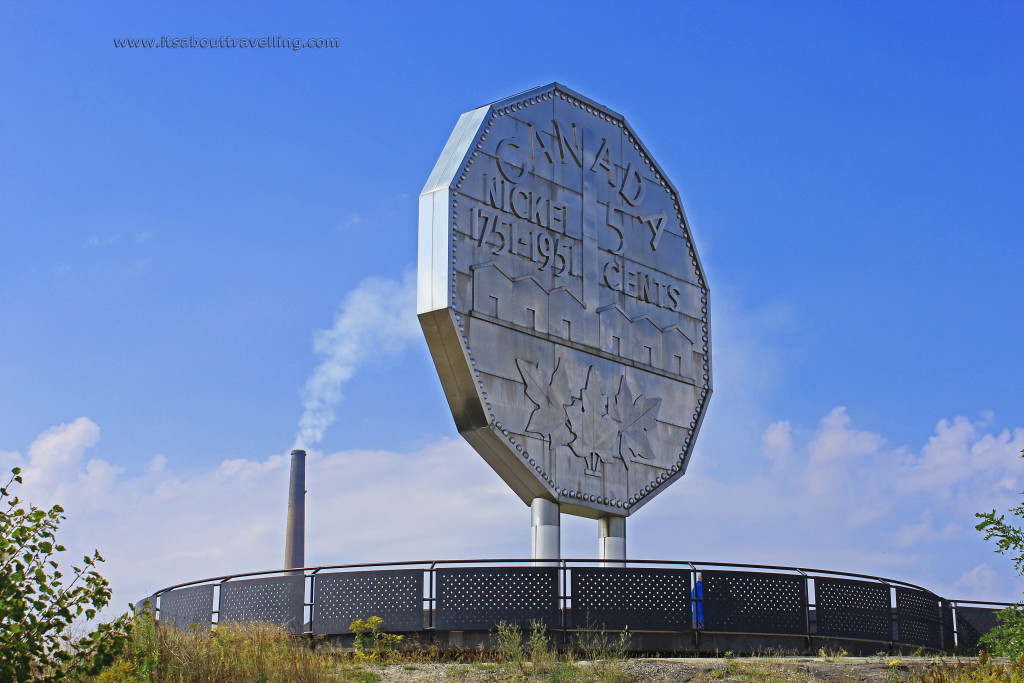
378, 317
353, 220
54, 471
96, 240
838, 498
835, 440
156, 465
777, 443
958, 453
978, 580
983, 582
909, 535
441, 501
8, 459
60, 447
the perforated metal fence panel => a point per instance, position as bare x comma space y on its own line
642, 599
853, 609
917, 618
396, 596
755, 602
277, 600
479, 598
148, 604
972, 623
946, 612
187, 606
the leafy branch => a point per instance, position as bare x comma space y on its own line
1006, 639
37, 608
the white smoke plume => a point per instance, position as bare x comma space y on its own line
377, 317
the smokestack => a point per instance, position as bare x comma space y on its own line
294, 544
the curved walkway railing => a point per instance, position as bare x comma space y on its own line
700, 599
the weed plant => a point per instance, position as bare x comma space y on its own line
832, 655
892, 672
604, 652
371, 643
982, 670
603, 656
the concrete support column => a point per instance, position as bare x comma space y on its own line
611, 536
295, 536
547, 541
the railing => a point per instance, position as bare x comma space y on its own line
702, 599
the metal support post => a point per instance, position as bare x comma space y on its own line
547, 543
611, 534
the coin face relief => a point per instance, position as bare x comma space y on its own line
563, 302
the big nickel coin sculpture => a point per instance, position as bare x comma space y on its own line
565, 308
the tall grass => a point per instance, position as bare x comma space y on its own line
261, 653
253, 653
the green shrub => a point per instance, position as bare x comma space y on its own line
1008, 637
37, 606
371, 642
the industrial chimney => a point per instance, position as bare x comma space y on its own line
294, 544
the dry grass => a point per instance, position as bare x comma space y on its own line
254, 653
982, 670
262, 653
763, 669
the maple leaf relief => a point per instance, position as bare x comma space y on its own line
596, 431
637, 418
590, 424
549, 418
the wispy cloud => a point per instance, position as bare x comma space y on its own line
97, 241
377, 318
353, 220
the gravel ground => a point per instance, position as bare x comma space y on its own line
697, 670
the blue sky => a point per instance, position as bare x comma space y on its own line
178, 228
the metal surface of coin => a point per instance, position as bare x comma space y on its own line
563, 302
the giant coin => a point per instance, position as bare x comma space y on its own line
563, 302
